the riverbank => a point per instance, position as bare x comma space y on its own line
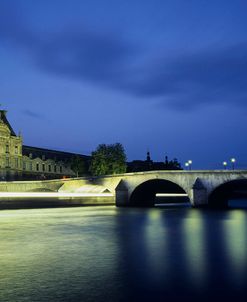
32, 203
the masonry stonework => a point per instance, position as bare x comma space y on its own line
20, 162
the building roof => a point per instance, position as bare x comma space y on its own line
51, 154
6, 122
40, 152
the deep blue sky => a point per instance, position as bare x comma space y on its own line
165, 75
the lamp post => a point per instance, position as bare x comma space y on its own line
224, 164
186, 165
233, 160
190, 163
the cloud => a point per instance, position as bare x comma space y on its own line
73, 52
181, 82
81, 54
13, 28
33, 114
192, 80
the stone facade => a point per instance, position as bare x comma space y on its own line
18, 161
44, 166
10, 150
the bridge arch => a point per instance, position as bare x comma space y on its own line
144, 194
230, 190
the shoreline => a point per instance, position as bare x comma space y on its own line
27, 203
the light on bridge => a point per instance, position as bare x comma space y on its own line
188, 164
233, 161
224, 164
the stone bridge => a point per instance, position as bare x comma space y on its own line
201, 188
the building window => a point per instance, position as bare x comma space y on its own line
7, 162
30, 166
43, 167
16, 162
49, 168
37, 167
61, 169
24, 165
16, 149
55, 168
7, 148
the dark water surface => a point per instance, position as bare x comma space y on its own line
116, 254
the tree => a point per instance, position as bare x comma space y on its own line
78, 165
108, 159
175, 164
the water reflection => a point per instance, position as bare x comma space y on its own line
114, 254
194, 245
156, 241
53, 255
235, 237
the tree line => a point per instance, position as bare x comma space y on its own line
111, 159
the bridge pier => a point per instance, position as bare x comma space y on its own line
122, 195
198, 194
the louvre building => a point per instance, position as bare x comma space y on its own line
20, 162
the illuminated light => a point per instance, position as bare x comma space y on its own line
233, 161
156, 248
51, 195
170, 195
224, 164
154, 215
237, 216
235, 238
195, 247
189, 164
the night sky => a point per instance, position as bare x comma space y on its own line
168, 76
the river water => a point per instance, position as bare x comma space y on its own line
106, 254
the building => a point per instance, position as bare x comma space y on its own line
18, 161
150, 165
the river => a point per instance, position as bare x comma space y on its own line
106, 254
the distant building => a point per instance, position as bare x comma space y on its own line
150, 165
18, 161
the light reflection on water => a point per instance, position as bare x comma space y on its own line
194, 245
120, 254
236, 243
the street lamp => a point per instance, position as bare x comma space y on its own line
224, 164
190, 163
186, 165
233, 160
